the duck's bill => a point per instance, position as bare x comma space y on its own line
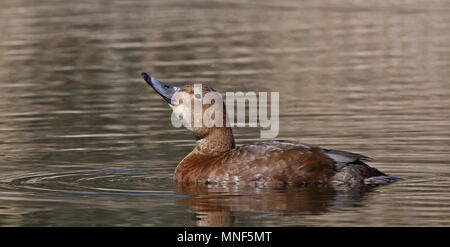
165, 90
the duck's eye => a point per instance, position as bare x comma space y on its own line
198, 96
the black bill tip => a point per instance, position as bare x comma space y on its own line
165, 90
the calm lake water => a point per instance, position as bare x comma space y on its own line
85, 142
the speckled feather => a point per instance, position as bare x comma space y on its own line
269, 162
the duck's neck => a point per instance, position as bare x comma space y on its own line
218, 141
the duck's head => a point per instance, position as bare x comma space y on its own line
198, 107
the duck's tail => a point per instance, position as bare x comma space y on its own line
378, 180
358, 172
350, 169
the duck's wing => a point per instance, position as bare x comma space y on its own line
342, 158
284, 161
275, 161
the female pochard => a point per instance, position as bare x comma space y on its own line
216, 159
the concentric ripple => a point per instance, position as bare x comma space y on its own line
124, 182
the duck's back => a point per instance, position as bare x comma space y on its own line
282, 162
277, 162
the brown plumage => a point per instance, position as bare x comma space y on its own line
216, 159
270, 162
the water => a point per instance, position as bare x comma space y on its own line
85, 142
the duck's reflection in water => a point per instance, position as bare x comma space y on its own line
215, 205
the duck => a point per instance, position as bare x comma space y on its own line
216, 159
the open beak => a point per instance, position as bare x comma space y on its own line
165, 90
